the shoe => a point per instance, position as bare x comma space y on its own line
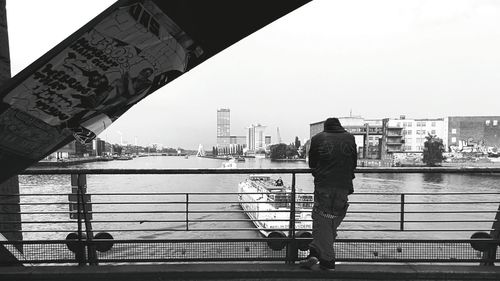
327, 265
309, 262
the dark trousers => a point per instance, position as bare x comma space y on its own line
330, 207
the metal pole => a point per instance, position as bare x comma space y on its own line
91, 249
366, 141
402, 213
187, 212
292, 247
80, 252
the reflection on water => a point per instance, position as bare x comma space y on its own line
384, 183
433, 177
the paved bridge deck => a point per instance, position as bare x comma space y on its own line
245, 271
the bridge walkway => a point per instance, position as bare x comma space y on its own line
247, 271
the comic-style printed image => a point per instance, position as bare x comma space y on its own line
128, 55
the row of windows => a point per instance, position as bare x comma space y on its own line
418, 123
417, 148
418, 132
418, 140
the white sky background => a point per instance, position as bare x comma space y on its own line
380, 59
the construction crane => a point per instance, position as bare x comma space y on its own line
278, 134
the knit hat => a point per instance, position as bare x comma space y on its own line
332, 122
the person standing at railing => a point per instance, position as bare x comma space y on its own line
333, 159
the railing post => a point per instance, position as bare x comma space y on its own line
82, 209
80, 252
187, 211
402, 213
292, 248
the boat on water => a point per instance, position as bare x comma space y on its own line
229, 164
124, 157
240, 159
266, 202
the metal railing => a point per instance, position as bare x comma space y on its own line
175, 219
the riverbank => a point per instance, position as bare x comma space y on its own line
70, 162
289, 160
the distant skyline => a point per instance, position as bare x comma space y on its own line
376, 59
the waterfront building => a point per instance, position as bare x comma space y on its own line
367, 133
225, 141
238, 140
223, 127
256, 138
64, 152
99, 147
267, 141
473, 131
415, 130
392, 139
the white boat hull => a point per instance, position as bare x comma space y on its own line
268, 215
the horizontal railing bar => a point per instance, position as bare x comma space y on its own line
430, 170
96, 212
245, 220
242, 211
235, 193
252, 202
448, 221
354, 194
144, 212
451, 202
451, 212
263, 239
235, 211
249, 229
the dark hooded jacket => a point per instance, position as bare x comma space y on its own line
333, 157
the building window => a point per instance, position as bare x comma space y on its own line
453, 131
398, 125
453, 139
433, 132
488, 122
409, 124
495, 122
433, 124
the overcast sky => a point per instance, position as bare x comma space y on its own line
375, 58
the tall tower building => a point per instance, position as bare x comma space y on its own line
256, 137
223, 127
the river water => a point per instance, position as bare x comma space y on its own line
362, 208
